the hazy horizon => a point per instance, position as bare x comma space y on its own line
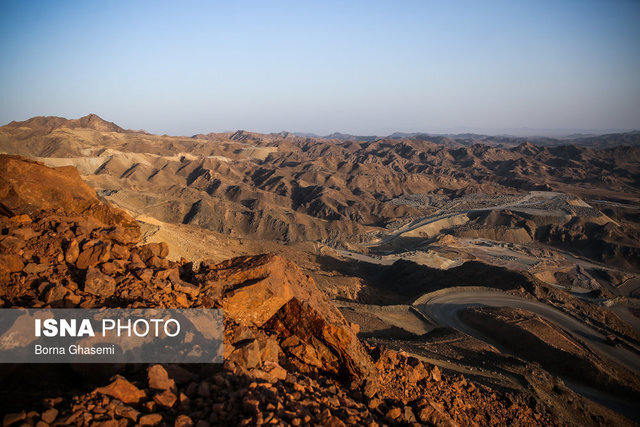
363, 68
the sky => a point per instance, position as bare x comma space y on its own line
360, 67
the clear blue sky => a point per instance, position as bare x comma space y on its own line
353, 66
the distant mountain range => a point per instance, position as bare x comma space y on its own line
631, 138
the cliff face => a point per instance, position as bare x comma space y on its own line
290, 356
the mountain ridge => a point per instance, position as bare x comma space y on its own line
602, 139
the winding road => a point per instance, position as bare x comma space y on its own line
444, 309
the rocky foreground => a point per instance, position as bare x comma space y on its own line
290, 357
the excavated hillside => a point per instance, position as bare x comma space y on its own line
290, 357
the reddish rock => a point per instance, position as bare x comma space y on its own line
408, 416
111, 268
12, 244
269, 349
254, 288
166, 399
50, 415
270, 372
120, 252
158, 262
150, 420
99, 284
435, 374
247, 355
97, 252
417, 373
25, 233
146, 252
334, 421
127, 412
13, 418
122, 390
183, 421
434, 414
250, 406
394, 413
144, 274
159, 379
72, 252
187, 288
35, 269
57, 188
56, 294
19, 220
10, 263
304, 352
272, 293
120, 235
335, 347
136, 262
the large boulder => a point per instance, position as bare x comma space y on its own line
271, 293
331, 346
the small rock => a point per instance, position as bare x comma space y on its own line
394, 413
12, 244
269, 349
136, 262
25, 233
150, 420
166, 399
56, 294
93, 254
99, 284
50, 415
334, 422
374, 403
10, 263
183, 421
33, 268
247, 355
160, 250
159, 379
72, 252
408, 415
187, 288
122, 390
110, 268
158, 262
144, 274
181, 300
435, 374
120, 252
127, 412
11, 419
270, 372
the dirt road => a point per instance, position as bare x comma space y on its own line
445, 308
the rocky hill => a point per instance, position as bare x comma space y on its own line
290, 357
291, 188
